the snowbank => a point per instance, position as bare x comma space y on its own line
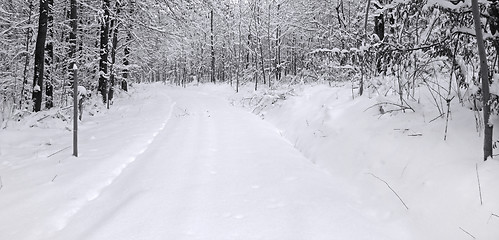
396, 164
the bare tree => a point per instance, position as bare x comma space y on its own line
49, 58
114, 28
104, 52
40, 55
484, 72
24, 95
212, 38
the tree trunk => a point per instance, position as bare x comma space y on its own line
270, 46
368, 6
126, 63
239, 50
262, 63
212, 49
72, 35
49, 59
484, 72
126, 51
379, 26
40, 56
114, 28
278, 51
24, 95
124, 81
104, 52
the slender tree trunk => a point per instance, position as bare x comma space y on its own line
126, 51
212, 37
295, 57
24, 96
49, 59
73, 22
239, 59
484, 72
368, 6
126, 63
114, 29
278, 51
262, 63
104, 52
255, 73
40, 56
270, 46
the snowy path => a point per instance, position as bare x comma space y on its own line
217, 172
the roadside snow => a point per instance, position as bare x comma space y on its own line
354, 141
44, 187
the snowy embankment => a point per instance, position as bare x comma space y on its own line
395, 164
43, 187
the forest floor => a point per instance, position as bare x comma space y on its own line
303, 162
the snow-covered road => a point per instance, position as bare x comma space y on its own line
173, 163
217, 172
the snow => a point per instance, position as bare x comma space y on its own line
447, 4
82, 91
436, 179
173, 163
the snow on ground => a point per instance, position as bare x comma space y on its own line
43, 187
174, 163
351, 139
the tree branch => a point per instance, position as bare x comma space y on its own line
388, 185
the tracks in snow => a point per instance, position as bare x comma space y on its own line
61, 219
217, 172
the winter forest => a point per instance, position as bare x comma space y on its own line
249, 119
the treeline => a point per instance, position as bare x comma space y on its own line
384, 46
110, 41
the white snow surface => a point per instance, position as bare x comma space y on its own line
175, 163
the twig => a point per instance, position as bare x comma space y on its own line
402, 129
408, 105
492, 215
403, 171
447, 119
467, 233
479, 186
439, 116
58, 152
43, 118
54, 178
415, 135
388, 185
402, 107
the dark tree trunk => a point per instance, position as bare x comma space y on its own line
49, 59
126, 62
73, 16
484, 72
104, 52
212, 37
114, 28
379, 26
40, 56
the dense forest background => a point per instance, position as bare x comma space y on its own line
385, 47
